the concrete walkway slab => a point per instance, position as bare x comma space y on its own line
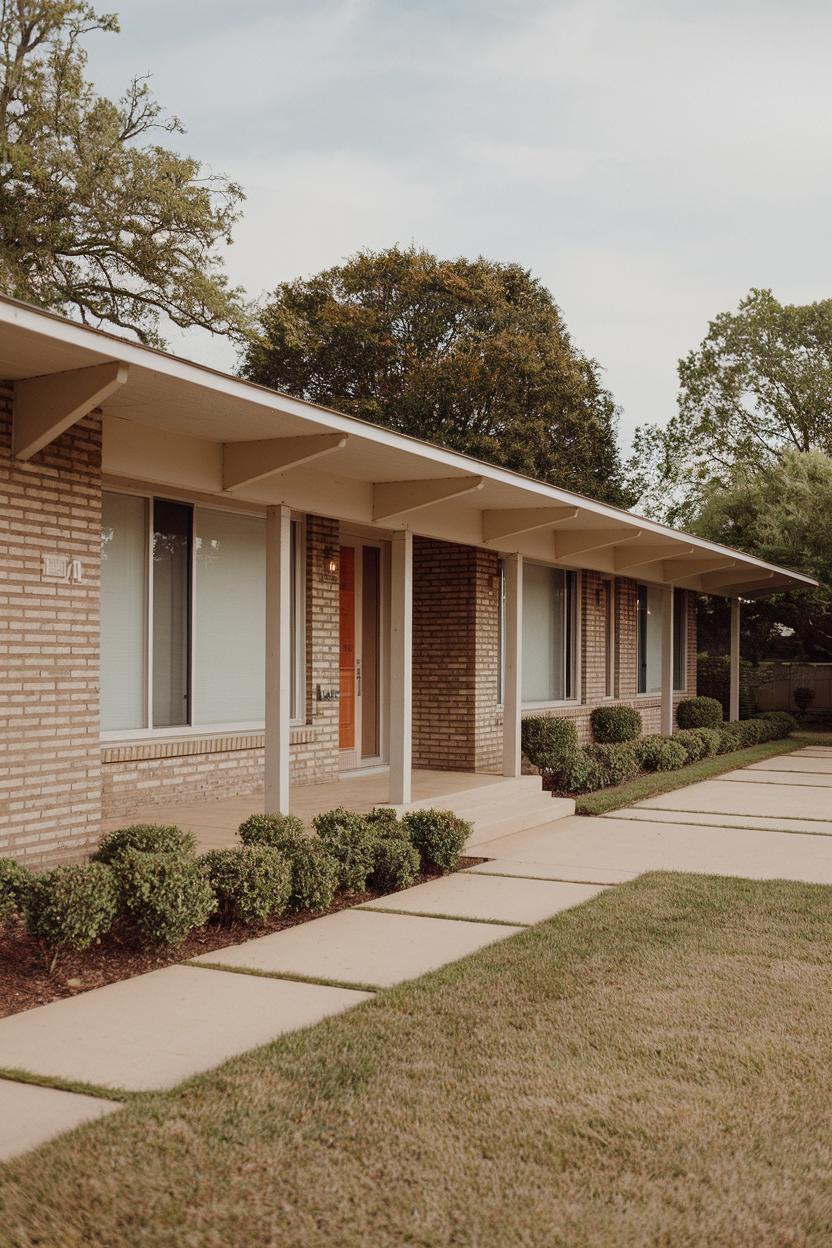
157, 1029
715, 797
791, 762
528, 868
469, 896
361, 948
648, 845
816, 780
817, 827
30, 1115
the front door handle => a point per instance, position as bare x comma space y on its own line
358, 677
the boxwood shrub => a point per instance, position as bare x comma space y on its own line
395, 864
615, 723
314, 875
693, 743
165, 895
70, 907
351, 841
438, 835
385, 822
785, 721
547, 740
699, 713
615, 763
657, 753
578, 772
280, 832
150, 838
14, 886
251, 883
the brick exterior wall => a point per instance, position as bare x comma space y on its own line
165, 771
50, 774
456, 721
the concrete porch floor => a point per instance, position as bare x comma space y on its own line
214, 822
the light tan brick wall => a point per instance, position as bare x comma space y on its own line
50, 775
156, 773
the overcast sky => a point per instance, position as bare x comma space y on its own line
650, 161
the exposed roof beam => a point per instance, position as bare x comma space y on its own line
581, 543
45, 407
397, 498
642, 556
683, 569
736, 579
243, 463
515, 520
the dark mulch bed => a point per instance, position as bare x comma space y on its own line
25, 981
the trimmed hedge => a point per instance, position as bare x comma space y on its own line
15, 882
547, 740
280, 832
438, 835
385, 822
251, 883
395, 864
615, 723
314, 876
147, 838
699, 713
693, 743
614, 763
165, 895
784, 720
70, 907
351, 840
657, 753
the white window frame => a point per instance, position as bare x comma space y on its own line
644, 695
208, 730
576, 641
683, 634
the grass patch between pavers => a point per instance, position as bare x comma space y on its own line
15, 1074
649, 1068
657, 782
290, 975
454, 918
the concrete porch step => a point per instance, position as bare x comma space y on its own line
500, 808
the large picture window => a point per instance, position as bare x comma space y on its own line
183, 593
548, 634
649, 638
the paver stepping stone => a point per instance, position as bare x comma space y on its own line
817, 780
649, 845
30, 1115
791, 762
157, 1029
530, 868
468, 896
360, 948
713, 796
816, 826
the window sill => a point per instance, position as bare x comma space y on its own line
551, 706
137, 750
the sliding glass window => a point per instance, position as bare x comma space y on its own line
548, 633
649, 638
183, 616
680, 640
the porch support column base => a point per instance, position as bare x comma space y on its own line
734, 691
667, 716
513, 666
401, 668
278, 658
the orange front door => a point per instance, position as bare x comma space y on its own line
347, 649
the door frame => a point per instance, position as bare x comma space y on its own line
353, 759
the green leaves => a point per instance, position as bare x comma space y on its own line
97, 219
470, 354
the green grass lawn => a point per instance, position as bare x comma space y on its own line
656, 782
651, 1068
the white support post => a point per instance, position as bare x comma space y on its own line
513, 665
667, 662
278, 657
401, 668
734, 692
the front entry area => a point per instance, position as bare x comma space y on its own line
362, 618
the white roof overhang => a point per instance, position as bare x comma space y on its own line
181, 426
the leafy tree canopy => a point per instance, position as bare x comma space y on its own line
470, 354
781, 513
759, 384
97, 218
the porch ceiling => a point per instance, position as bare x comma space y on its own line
168, 424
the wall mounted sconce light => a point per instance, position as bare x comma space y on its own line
330, 561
